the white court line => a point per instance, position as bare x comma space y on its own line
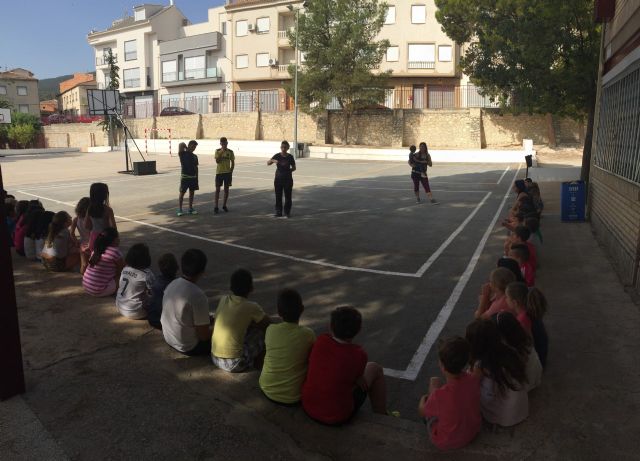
418, 359
416, 274
502, 175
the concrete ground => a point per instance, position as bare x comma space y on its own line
103, 387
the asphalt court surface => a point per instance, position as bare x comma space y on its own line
356, 236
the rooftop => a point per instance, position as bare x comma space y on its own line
17, 74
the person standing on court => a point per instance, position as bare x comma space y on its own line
188, 174
285, 166
419, 162
226, 162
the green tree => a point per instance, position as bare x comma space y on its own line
111, 124
539, 55
23, 134
338, 39
4, 104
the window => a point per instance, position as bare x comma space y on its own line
24, 108
418, 14
194, 67
130, 50
422, 56
169, 71
22, 90
444, 53
131, 78
223, 27
242, 61
3, 89
263, 25
262, 59
242, 28
197, 102
391, 15
393, 54
139, 15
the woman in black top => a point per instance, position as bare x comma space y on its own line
285, 165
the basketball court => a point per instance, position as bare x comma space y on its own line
356, 236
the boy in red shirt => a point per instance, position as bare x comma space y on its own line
452, 410
520, 252
339, 377
521, 235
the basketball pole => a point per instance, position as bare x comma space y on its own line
11, 368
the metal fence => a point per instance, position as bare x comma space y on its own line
618, 137
276, 100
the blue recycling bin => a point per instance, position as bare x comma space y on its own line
572, 201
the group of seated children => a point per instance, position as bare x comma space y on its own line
490, 372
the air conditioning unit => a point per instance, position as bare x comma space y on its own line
273, 62
250, 28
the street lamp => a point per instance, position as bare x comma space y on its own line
295, 83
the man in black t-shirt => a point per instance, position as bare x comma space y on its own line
285, 166
188, 175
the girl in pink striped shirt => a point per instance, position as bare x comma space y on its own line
105, 264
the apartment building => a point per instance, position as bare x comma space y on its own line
20, 88
73, 94
134, 41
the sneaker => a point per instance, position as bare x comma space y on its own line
179, 213
192, 211
287, 216
418, 200
216, 210
225, 208
277, 215
394, 413
434, 201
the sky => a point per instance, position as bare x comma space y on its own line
49, 37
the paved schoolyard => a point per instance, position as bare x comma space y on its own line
103, 387
356, 236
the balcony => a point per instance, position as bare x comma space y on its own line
421, 65
192, 76
283, 69
283, 39
102, 60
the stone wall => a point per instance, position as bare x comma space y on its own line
80, 135
236, 125
441, 129
276, 126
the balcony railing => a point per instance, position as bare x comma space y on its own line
422, 65
283, 68
191, 74
103, 60
282, 34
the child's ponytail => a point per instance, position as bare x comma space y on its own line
536, 304
103, 241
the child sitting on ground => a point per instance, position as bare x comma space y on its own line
503, 392
452, 410
17, 237
531, 305
521, 235
23, 225
339, 377
168, 265
237, 343
60, 251
514, 335
287, 351
135, 284
78, 223
520, 253
105, 264
40, 233
185, 308
492, 298
10, 216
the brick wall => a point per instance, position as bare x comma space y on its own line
276, 126
443, 128
510, 130
370, 128
182, 126
615, 217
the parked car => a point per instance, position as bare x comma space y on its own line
175, 111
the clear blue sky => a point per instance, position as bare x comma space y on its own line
49, 37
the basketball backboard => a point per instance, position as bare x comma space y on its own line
103, 102
5, 116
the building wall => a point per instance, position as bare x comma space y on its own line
231, 125
80, 135
277, 126
31, 101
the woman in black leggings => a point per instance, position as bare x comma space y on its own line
285, 166
419, 162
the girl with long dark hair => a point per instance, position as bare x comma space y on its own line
105, 265
99, 214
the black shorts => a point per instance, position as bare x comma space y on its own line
188, 183
223, 178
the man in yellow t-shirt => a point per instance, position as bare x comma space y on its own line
226, 162
287, 351
237, 342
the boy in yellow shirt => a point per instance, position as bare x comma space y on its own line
288, 345
226, 162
